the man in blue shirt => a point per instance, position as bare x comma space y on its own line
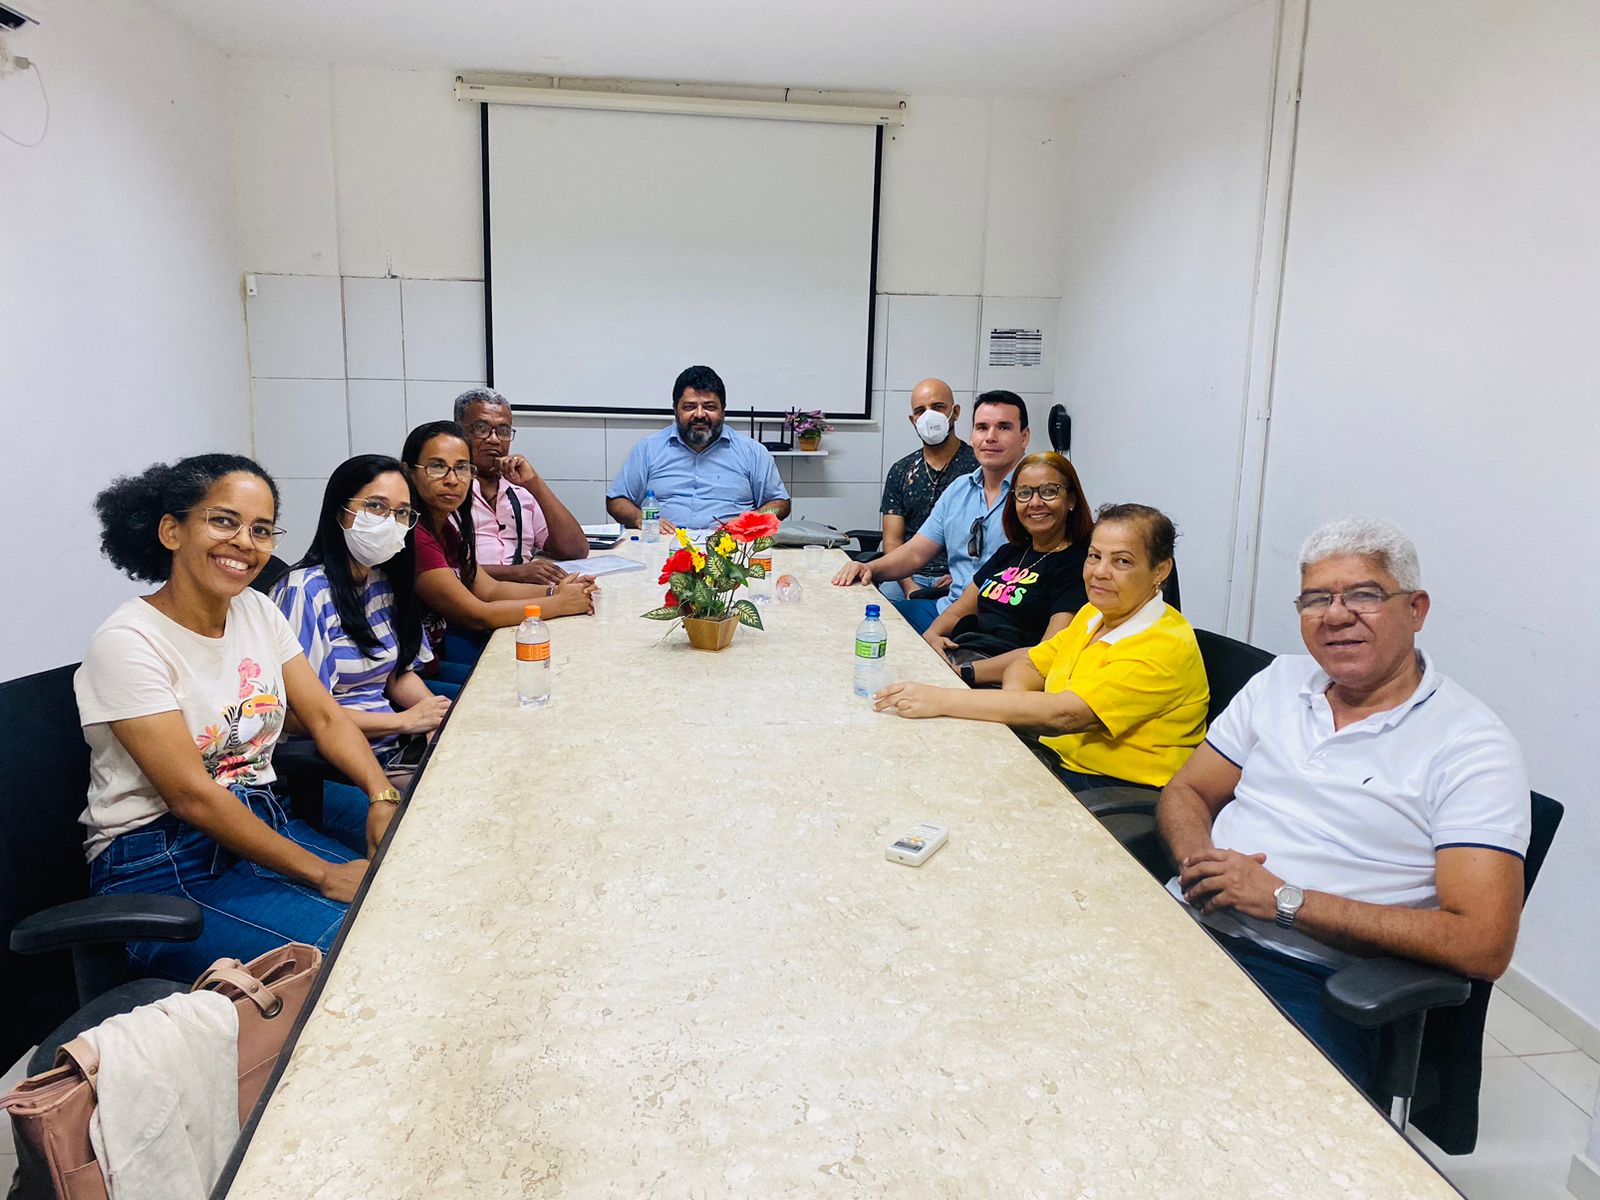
965, 522
700, 471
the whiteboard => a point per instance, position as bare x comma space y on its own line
621, 247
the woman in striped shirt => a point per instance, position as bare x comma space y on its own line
351, 603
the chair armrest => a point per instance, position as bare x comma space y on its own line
126, 918
1377, 991
1120, 801
870, 540
933, 593
301, 758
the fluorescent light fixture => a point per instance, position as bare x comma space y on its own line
891, 112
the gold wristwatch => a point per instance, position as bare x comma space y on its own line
389, 795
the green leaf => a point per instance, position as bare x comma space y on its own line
719, 570
756, 571
748, 614
665, 613
682, 584
761, 543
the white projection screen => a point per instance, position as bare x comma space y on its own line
621, 247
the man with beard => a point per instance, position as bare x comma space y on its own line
701, 471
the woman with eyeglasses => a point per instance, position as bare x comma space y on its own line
182, 695
455, 595
351, 601
1119, 696
1028, 590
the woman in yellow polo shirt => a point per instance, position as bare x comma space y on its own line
1120, 694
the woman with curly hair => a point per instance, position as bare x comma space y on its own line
182, 695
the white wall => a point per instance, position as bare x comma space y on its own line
1166, 170
118, 300
365, 173
1437, 364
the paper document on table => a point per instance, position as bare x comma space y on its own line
604, 529
601, 564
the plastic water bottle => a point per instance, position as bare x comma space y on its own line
761, 589
872, 644
533, 659
650, 518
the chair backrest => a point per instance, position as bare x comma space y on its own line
1450, 1072
1169, 589
44, 779
1230, 664
275, 570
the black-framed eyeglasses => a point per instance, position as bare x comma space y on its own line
438, 470
482, 429
405, 515
975, 538
224, 524
1363, 600
1045, 491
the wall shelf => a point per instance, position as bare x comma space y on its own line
798, 453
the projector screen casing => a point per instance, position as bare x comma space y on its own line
660, 241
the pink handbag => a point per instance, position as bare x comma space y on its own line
50, 1112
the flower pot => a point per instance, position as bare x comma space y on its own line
808, 444
710, 633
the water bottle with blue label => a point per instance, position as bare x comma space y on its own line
872, 644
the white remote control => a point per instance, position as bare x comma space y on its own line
917, 845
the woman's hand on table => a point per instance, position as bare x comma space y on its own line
911, 700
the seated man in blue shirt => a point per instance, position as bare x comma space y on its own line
966, 520
700, 471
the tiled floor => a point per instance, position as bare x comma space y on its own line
1538, 1096
1537, 1100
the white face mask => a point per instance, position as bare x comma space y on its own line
373, 540
933, 426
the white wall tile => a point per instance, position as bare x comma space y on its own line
1011, 313
297, 514
296, 327
932, 337
855, 455
621, 437
302, 427
377, 416
880, 343
900, 438
586, 498
442, 321
1039, 406
433, 399
563, 448
372, 348
842, 505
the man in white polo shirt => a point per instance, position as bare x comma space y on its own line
1354, 803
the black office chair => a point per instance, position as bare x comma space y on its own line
50, 997
1129, 813
1431, 1059
275, 570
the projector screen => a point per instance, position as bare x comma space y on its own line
621, 247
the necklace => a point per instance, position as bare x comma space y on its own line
1023, 565
936, 478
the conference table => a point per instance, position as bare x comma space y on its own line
644, 941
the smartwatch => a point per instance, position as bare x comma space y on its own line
1289, 899
968, 675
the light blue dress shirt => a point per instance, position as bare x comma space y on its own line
950, 524
732, 475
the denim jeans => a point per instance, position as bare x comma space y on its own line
249, 909
1297, 987
920, 613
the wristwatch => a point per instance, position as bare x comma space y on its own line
968, 675
389, 795
1289, 899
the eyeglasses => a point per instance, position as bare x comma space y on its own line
224, 525
405, 515
975, 539
438, 470
482, 429
1358, 600
1045, 491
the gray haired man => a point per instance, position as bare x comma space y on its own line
522, 529
1355, 802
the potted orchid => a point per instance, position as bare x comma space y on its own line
807, 427
701, 583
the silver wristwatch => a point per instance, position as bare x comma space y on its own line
1289, 899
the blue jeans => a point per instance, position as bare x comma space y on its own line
1296, 985
920, 613
249, 909
893, 592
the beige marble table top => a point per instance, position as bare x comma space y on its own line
644, 942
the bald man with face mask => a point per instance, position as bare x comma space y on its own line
916, 481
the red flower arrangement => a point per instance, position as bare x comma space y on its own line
701, 584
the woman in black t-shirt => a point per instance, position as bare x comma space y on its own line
1030, 587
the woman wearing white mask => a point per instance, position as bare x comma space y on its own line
351, 603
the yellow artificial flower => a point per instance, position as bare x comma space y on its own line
699, 559
683, 539
725, 545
